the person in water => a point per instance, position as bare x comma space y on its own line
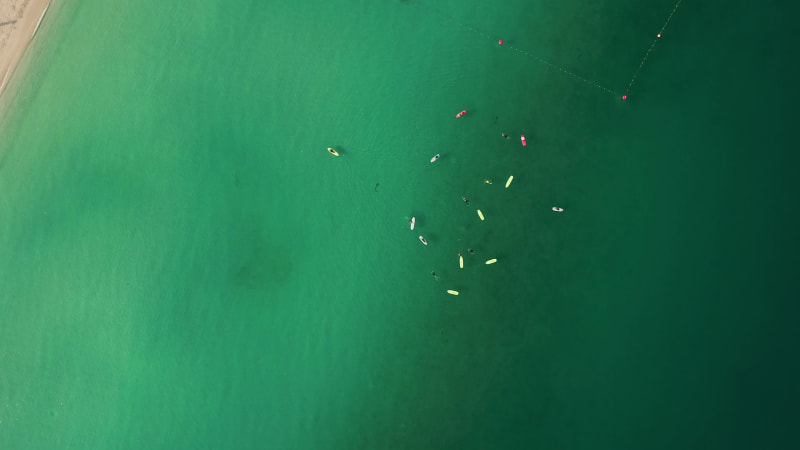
466, 202
471, 251
435, 277
504, 135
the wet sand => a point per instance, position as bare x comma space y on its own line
19, 20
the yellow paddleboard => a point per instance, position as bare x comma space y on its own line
452, 292
460, 261
508, 183
480, 214
491, 261
335, 153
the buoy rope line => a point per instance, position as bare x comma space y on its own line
535, 57
561, 69
650, 50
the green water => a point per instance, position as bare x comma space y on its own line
182, 265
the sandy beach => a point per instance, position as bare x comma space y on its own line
19, 20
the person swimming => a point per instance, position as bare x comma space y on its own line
471, 251
435, 277
466, 202
504, 135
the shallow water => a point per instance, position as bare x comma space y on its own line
185, 266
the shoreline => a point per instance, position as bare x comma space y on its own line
16, 37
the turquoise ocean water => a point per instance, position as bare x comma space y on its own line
182, 264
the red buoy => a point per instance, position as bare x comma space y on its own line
500, 42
